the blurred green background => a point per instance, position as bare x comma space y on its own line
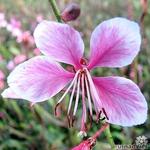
23, 127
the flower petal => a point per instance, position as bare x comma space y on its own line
122, 100
9, 93
38, 79
60, 42
114, 43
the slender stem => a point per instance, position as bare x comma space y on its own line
135, 70
55, 10
110, 138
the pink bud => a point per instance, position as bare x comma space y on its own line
20, 58
85, 145
90, 142
71, 12
10, 65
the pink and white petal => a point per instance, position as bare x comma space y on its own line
9, 93
122, 100
38, 79
114, 43
60, 42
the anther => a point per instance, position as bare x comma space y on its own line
105, 113
91, 120
56, 107
98, 116
73, 120
69, 120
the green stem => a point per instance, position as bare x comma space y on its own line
110, 138
55, 10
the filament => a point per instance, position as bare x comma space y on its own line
83, 103
77, 97
88, 96
76, 75
72, 94
94, 94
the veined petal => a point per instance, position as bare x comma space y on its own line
38, 79
114, 43
122, 100
60, 42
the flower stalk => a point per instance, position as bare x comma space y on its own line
55, 10
109, 138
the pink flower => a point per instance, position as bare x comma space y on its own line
20, 58
3, 22
10, 65
14, 27
26, 38
114, 43
39, 18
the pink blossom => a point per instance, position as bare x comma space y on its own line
20, 58
14, 27
114, 43
39, 18
25, 38
11, 65
3, 21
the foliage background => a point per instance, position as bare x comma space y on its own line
36, 128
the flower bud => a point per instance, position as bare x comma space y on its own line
71, 12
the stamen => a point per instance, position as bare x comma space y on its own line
105, 113
96, 97
88, 96
83, 128
69, 121
91, 120
98, 116
68, 89
73, 120
72, 94
94, 94
77, 96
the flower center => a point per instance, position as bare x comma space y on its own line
82, 84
